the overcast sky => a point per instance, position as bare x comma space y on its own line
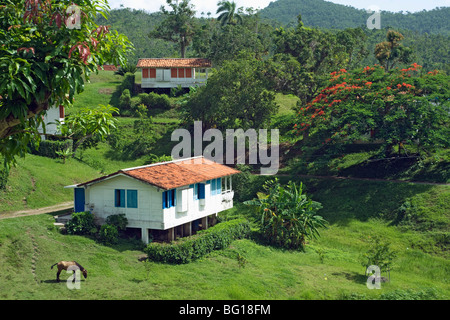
211, 5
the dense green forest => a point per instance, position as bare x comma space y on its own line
428, 39
324, 14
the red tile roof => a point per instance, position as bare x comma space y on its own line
108, 67
174, 174
174, 63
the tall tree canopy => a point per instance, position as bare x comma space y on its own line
391, 51
228, 13
317, 52
178, 26
45, 58
235, 97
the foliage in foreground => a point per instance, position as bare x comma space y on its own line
44, 62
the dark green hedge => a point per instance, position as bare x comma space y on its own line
194, 247
48, 148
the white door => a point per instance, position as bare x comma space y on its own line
167, 76
159, 74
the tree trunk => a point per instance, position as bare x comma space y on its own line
8, 124
182, 47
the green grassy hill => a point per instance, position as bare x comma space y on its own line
325, 14
329, 268
37, 182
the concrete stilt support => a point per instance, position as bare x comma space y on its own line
144, 235
205, 223
187, 229
171, 234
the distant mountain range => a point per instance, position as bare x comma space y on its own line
324, 14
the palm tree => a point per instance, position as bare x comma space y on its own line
228, 13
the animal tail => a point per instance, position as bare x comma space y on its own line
53, 265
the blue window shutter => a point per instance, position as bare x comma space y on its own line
219, 186
169, 199
201, 191
164, 197
213, 187
132, 201
119, 198
196, 191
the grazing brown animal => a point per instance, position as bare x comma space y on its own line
64, 265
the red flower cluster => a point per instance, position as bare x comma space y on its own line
413, 67
406, 85
367, 69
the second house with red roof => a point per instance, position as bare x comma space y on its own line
171, 73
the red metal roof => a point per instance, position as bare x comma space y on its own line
174, 174
174, 63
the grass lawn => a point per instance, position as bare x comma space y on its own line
328, 269
98, 91
38, 182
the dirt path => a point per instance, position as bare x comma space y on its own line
23, 213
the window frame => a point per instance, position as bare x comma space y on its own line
169, 198
132, 201
119, 198
122, 198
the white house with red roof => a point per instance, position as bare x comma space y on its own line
171, 73
165, 200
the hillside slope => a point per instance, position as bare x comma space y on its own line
324, 14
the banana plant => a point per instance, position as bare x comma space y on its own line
288, 216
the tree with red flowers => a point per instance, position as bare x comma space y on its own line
403, 106
48, 49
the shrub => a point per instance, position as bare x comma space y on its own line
81, 223
128, 83
120, 221
51, 148
194, 247
379, 254
125, 101
108, 234
288, 216
155, 101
